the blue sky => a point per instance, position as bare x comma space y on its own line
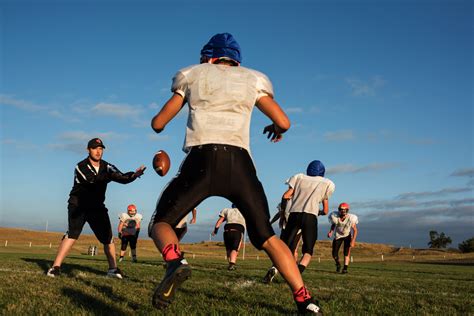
380, 91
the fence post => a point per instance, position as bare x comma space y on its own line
50, 245
382, 257
30, 244
6, 243
352, 259
319, 259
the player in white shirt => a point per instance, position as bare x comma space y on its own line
221, 96
234, 230
282, 217
305, 193
128, 230
182, 227
343, 223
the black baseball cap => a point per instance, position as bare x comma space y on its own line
94, 143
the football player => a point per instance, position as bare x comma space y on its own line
128, 231
345, 226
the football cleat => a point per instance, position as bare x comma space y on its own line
115, 273
177, 271
338, 267
309, 306
231, 267
54, 272
271, 273
344, 271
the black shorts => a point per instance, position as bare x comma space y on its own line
336, 245
308, 223
98, 219
132, 239
233, 234
217, 170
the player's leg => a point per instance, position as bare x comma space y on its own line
76, 221
336, 245
347, 253
310, 235
133, 248
249, 196
233, 234
99, 222
123, 247
181, 195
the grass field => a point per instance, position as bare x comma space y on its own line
427, 285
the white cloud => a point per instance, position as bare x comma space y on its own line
465, 172
443, 192
7, 100
350, 168
158, 137
76, 141
342, 135
365, 88
116, 109
294, 110
18, 144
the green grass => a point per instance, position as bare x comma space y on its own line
370, 288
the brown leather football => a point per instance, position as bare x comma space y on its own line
161, 163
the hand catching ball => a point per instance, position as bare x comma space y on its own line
161, 163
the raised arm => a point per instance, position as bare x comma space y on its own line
167, 112
273, 111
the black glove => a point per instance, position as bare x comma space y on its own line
216, 229
321, 213
137, 232
120, 236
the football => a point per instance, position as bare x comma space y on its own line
161, 163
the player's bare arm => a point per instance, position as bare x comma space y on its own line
331, 230
273, 111
353, 240
167, 112
193, 219
218, 224
288, 194
325, 207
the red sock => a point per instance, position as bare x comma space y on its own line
171, 252
301, 295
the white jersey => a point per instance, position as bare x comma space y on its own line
232, 216
220, 99
343, 227
309, 192
130, 223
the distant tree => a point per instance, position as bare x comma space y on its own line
439, 240
467, 245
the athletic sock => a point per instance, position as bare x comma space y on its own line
301, 295
301, 268
171, 252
